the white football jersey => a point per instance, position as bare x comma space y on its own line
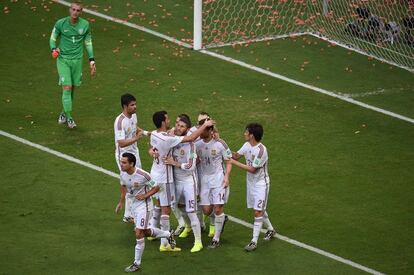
125, 128
257, 157
212, 155
139, 182
184, 153
163, 143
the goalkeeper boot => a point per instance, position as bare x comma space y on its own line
71, 123
270, 234
62, 118
186, 232
250, 247
197, 247
132, 268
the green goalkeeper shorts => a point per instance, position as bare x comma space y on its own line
70, 71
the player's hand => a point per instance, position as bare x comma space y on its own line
140, 197
153, 153
92, 65
209, 122
139, 133
118, 207
55, 53
225, 182
169, 160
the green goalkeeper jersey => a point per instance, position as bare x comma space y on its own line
72, 36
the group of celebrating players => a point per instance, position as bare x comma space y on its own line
191, 164
190, 170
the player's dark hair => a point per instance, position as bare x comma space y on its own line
158, 118
202, 113
256, 130
186, 119
131, 158
126, 99
201, 122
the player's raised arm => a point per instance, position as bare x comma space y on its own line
199, 131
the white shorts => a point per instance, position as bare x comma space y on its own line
186, 194
166, 195
212, 196
118, 160
142, 217
257, 196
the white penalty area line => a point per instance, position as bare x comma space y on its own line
234, 219
245, 65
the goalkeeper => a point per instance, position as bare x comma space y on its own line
73, 31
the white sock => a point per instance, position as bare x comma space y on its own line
257, 226
127, 210
139, 249
195, 225
165, 225
267, 222
187, 221
156, 213
158, 233
200, 216
179, 216
218, 222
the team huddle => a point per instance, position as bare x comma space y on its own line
189, 177
191, 165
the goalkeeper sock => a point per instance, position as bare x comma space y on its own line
67, 102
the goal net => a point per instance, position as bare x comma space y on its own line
383, 29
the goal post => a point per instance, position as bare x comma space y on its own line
382, 29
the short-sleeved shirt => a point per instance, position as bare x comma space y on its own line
257, 157
162, 143
140, 182
184, 153
125, 128
212, 155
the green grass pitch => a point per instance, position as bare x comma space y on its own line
341, 175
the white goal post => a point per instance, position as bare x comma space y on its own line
382, 29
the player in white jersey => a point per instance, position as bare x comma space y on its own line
215, 166
258, 182
201, 116
184, 159
141, 187
127, 134
162, 143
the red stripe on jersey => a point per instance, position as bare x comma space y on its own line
143, 173
156, 136
261, 151
119, 125
223, 143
